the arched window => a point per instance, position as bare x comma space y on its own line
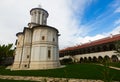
53, 39
89, 59
43, 37
100, 59
85, 59
25, 65
106, 58
81, 60
49, 54
114, 58
94, 59
27, 56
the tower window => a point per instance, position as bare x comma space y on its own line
49, 54
27, 56
18, 43
53, 39
25, 65
43, 37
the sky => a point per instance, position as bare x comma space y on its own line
78, 21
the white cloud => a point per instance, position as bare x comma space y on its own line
117, 10
86, 39
116, 30
92, 38
117, 22
15, 16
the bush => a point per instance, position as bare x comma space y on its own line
66, 61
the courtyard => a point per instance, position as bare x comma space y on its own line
77, 71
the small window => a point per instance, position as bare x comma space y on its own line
27, 56
49, 54
53, 39
18, 43
25, 65
43, 37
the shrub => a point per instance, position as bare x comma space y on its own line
66, 61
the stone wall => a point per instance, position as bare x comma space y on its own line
46, 79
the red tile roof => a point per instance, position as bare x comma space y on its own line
96, 42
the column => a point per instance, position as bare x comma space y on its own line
34, 17
37, 17
31, 17
40, 22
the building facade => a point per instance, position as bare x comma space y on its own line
93, 50
37, 45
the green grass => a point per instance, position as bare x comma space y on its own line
80, 71
115, 64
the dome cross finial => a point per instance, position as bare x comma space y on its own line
39, 6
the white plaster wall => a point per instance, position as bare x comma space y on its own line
19, 47
49, 35
43, 53
55, 53
18, 52
35, 53
26, 52
36, 35
43, 33
18, 55
27, 45
20, 40
32, 52
38, 16
28, 37
39, 53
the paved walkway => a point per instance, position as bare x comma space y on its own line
46, 79
30, 78
114, 67
110, 67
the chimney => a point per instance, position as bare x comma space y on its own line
111, 35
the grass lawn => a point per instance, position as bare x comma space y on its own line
115, 64
81, 71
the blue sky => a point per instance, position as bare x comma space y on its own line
100, 15
78, 21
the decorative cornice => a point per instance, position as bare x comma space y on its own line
39, 9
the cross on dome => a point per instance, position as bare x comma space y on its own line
39, 6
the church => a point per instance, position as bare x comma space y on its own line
37, 46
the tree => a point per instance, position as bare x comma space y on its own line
117, 47
6, 51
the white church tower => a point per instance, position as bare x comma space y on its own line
37, 45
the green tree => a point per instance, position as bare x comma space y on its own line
107, 77
117, 47
6, 51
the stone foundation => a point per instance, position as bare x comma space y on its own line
37, 65
44, 65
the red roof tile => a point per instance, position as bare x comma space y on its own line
96, 42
